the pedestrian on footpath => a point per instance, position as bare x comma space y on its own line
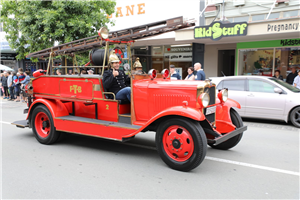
1, 92
190, 75
24, 83
174, 74
17, 87
296, 82
10, 86
21, 78
290, 78
200, 76
4, 85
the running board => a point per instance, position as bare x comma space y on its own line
99, 122
125, 118
21, 123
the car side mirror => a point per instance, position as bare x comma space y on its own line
278, 90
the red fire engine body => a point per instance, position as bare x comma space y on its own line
186, 115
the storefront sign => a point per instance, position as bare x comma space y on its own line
179, 57
8, 56
217, 30
291, 42
178, 49
129, 10
283, 27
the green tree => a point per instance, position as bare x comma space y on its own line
35, 25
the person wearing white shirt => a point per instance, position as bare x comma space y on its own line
296, 82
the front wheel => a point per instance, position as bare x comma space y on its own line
43, 126
295, 117
181, 143
238, 122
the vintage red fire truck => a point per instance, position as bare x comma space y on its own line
186, 115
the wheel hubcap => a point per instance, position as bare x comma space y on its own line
297, 116
42, 124
178, 143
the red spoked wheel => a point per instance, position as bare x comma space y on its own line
43, 126
178, 143
181, 143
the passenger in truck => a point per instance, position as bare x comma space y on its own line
115, 80
137, 67
58, 72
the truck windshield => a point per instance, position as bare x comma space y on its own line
286, 85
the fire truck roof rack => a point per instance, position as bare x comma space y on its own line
125, 35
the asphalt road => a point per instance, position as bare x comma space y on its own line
264, 165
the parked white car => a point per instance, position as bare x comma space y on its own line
263, 97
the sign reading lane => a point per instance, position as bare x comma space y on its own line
217, 30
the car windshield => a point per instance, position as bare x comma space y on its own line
286, 85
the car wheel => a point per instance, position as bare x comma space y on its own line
43, 126
295, 117
181, 144
238, 122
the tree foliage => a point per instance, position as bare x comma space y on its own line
36, 25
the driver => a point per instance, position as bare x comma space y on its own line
115, 80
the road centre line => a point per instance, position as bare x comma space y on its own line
253, 166
5, 122
220, 159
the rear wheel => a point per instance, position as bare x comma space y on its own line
295, 117
238, 122
181, 143
43, 126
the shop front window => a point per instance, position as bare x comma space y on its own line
158, 58
286, 59
256, 62
180, 57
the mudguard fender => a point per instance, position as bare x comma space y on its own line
183, 111
223, 119
56, 108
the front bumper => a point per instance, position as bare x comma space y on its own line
223, 138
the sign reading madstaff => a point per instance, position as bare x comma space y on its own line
217, 30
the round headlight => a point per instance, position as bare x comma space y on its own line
204, 99
223, 95
103, 33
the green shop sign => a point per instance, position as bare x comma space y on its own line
217, 30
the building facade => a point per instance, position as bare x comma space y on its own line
269, 40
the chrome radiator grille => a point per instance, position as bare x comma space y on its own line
212, 94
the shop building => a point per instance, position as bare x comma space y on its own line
260, 51
270, 42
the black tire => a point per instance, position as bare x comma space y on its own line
238, 122
43, 126
295, 117
192, 148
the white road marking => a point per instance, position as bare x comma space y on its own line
253, 166
5, 122
220, 160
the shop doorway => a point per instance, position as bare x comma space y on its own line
226, 60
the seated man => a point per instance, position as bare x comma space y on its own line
115, 80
